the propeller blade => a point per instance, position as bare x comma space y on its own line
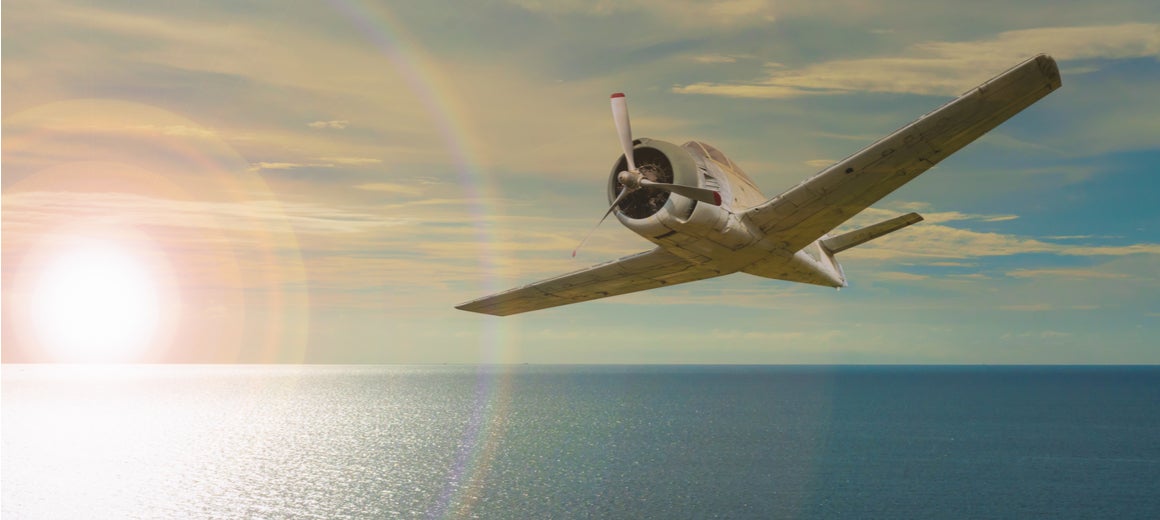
698, 194
620, 197
623, 128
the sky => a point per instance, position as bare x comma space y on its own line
253, 182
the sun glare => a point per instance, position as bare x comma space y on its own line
95, 303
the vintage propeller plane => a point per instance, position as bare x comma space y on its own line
708, 218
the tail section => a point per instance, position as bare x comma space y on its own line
815, 263
835, 245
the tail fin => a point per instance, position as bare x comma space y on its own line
860, 236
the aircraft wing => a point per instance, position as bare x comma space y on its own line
819, 204
638, 272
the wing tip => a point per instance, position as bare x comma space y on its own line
478, 309
1050, 69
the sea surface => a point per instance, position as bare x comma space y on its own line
514, 442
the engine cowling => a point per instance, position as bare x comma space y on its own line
646, 211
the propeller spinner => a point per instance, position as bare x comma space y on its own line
632, 179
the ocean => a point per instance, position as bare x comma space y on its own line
516, 442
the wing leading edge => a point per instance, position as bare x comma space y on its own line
819, 204
648, 270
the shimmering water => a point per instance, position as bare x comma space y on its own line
567, 442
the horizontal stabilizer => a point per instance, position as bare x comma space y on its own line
861, 236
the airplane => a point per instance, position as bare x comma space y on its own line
708, 219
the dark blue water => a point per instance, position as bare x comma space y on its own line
568, 442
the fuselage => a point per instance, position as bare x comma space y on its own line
719, 238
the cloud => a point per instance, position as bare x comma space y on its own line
36, 208
687, 13
352, 161
967, 276
104, 118
761, 91
1131, 249
1031, 307
283, 166
952, 216
900, 276
334, 125
713, 58
323, 162
178, 131
945, 68
737, 290
926, 240
951, 264
1043, 334
388, 187
272, 75
1065, 273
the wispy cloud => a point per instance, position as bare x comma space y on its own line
940, 241
1066, 273
934, 238
687, 13
945, 68
177, 130
284, 166
1031, 307
713, 58
333, 125
1042, 334
395, 188
323, 162
352, 161
820, 163
951, 264
28, 208
900, 276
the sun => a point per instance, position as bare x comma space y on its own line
95, 302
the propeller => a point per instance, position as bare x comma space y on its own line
623, 127
606, 214
632, 179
